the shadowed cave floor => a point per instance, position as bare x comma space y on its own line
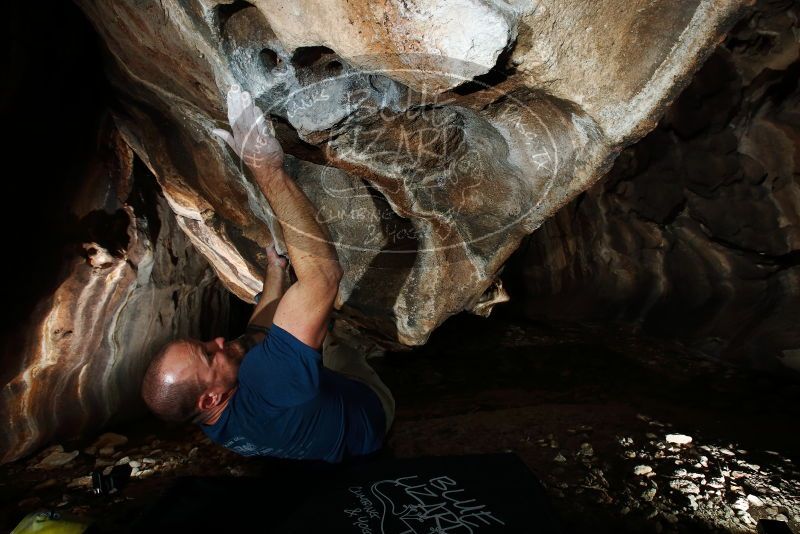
585, 408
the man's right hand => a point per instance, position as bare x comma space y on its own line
253, 137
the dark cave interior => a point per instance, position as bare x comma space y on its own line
608, 345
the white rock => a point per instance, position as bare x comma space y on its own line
560, 458
754, 500
741, 504
747, 519
680, 439
642, 470
684, 486
56, 459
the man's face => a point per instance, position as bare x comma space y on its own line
210, 362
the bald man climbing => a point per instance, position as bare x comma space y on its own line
267, 392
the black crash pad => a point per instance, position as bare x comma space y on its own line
481, 494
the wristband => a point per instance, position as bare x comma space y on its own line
257, 296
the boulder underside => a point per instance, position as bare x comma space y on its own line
431, 136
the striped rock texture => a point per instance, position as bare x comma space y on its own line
77, 360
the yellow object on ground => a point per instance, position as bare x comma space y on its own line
49, 523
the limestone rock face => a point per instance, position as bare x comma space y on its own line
431, 136
695, 234
134, 283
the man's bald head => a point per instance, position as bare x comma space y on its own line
170, 388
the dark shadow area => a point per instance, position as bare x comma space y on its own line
293, 145
308, 56
502, 69
53, 99
226, 11
270, 59
475, 364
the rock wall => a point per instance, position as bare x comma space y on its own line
431, 135
97, 273
695, 233
136, 282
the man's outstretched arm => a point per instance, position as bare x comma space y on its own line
306, 307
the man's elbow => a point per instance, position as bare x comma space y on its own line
325, 280
332, 276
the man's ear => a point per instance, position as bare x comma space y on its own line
208, 400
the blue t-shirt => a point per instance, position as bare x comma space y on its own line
288, 405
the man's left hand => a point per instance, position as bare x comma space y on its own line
275, 260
